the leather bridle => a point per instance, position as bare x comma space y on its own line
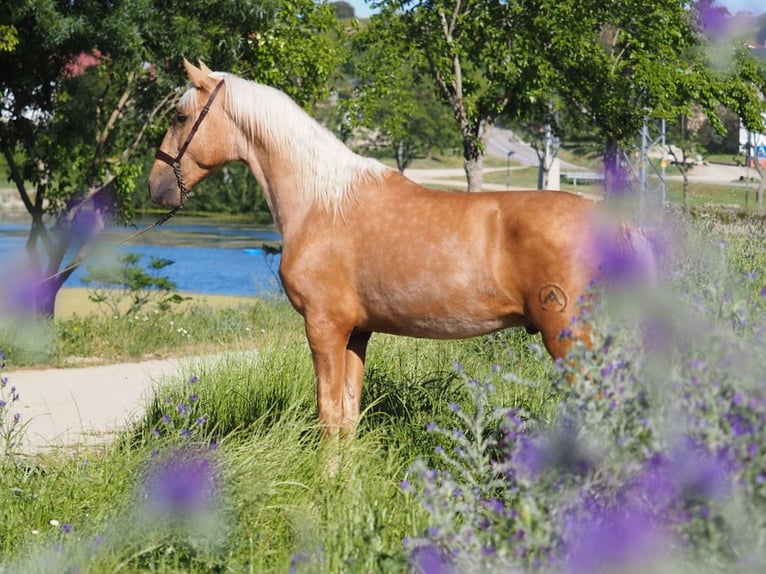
175, 162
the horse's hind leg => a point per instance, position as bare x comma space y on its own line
352, 385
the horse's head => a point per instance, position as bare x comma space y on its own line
198, 141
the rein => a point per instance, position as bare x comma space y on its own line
175, 163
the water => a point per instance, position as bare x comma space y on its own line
210, 257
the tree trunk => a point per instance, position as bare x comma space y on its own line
474, 171
474, 142
616, 175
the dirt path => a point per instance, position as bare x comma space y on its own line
64, 408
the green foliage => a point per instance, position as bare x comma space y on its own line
391, 94
128, 280
88, 84
480, 55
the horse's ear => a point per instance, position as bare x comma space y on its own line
204, 68
199, 78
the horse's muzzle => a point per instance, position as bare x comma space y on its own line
163, 188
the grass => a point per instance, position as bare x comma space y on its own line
278, 504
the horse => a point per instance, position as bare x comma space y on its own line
367, 250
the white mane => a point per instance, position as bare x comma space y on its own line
326, 170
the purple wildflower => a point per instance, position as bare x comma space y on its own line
183, 483
713, 20
612, 539
429, 560
66, 528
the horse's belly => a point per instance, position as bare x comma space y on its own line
442, 321
447, 328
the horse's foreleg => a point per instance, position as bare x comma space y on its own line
352, 388
328, 350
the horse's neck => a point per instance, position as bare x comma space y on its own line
286, 204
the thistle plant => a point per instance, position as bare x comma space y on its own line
655, 460
11, 425
180, 414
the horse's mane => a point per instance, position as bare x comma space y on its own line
326, 171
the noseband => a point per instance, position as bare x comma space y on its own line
175, 162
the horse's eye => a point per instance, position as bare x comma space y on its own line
181, 118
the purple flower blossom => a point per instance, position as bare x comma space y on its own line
612, 539
193, 379
429, 560
66, 528
181, 484
713, 20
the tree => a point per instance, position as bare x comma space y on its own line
391, 95
619, 64
614, 62
88, 83
343, 10
479, 55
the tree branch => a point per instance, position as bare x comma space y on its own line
17, 179
114, 117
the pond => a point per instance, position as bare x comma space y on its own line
209, 256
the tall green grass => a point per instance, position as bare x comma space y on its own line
287, 500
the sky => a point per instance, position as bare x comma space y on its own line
362, 10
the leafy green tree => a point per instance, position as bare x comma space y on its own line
621, 63
85, 89
392, 96
480, 55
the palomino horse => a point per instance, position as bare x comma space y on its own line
365, 249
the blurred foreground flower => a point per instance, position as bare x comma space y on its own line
182, 484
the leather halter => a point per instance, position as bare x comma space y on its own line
175, 162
